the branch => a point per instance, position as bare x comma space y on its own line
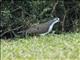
44, 10
19, 8
54, 7
0, 1
47, 9
10, 31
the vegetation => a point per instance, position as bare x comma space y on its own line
50, 47
20, 15
16, 16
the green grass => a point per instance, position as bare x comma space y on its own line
50, 47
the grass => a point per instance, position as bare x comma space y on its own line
50, 47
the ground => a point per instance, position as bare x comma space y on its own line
50, 47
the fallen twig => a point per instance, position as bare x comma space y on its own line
10, 30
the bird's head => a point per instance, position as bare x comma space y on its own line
57, 19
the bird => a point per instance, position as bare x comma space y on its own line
43, 28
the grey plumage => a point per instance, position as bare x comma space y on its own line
43, 28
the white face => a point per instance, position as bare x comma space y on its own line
56, 19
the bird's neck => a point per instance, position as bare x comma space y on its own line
51, 26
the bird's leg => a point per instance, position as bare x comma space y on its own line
43, 34
53, 32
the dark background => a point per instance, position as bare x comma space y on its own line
19, 15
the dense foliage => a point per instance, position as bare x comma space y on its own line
20, 15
